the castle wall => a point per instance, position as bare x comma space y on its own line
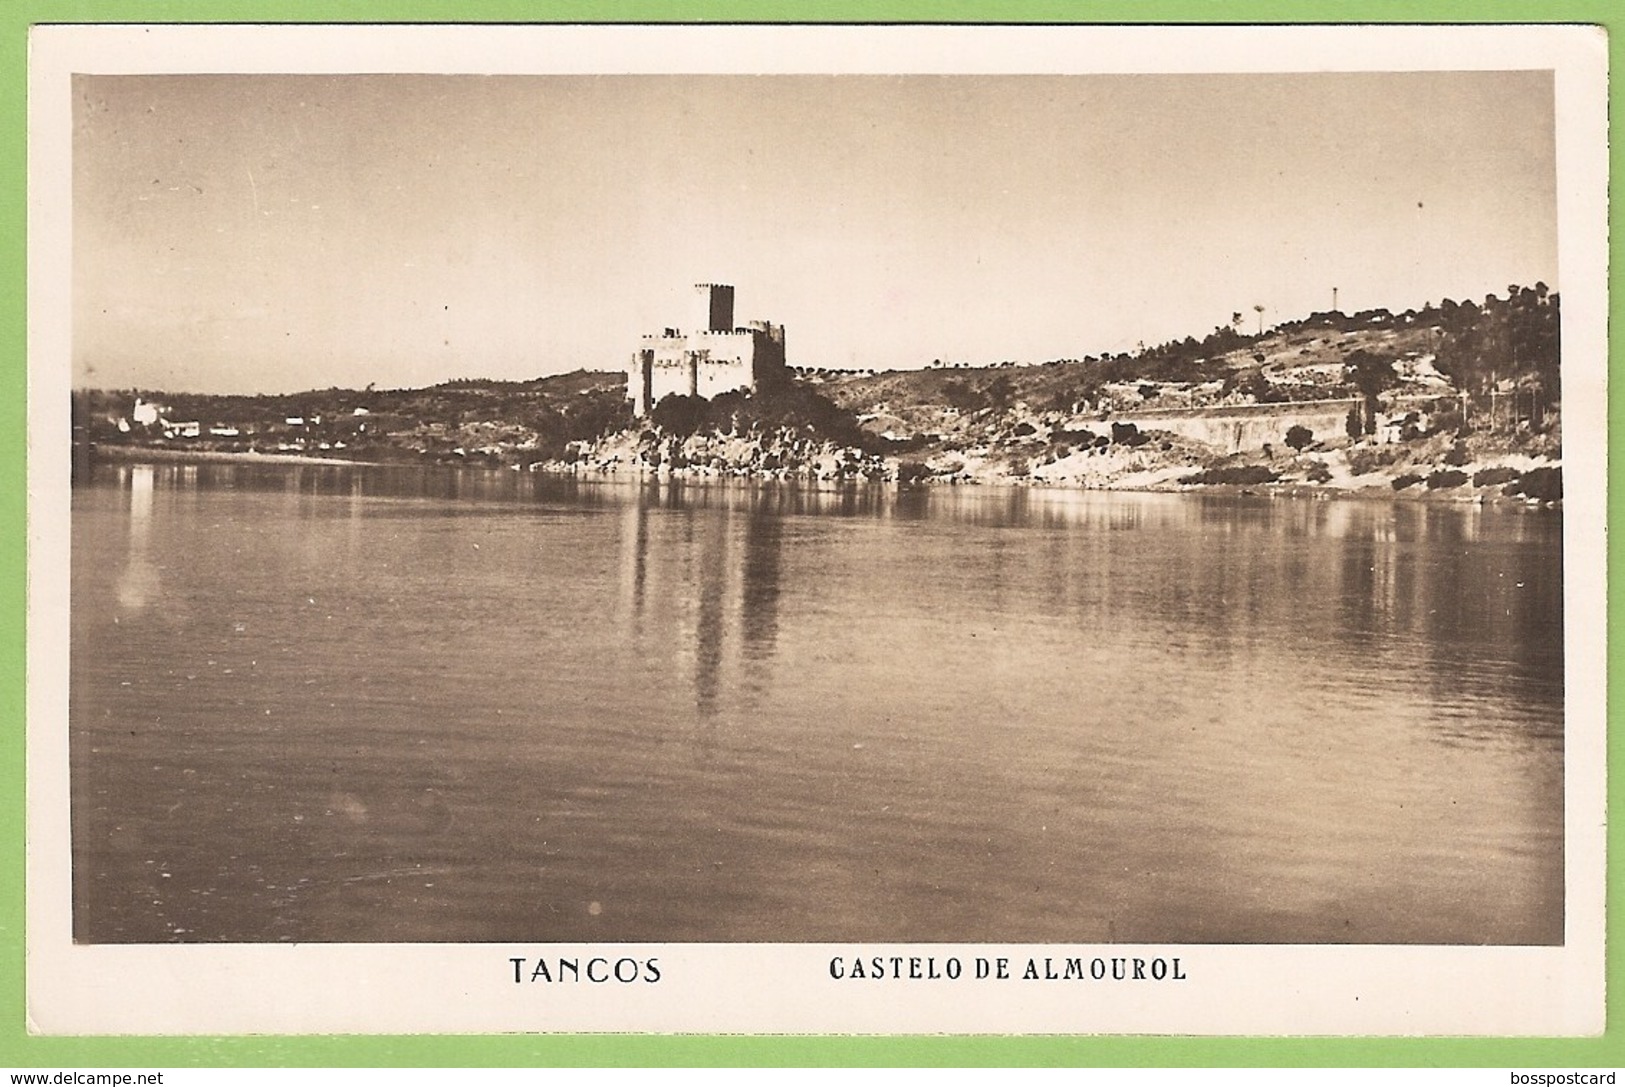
705, 364
726, 362
671, 372
1245, 427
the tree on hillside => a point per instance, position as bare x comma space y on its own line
1461, 356
1534, 332
1370, 374
1249, 382
1517, 337
961, 396
1000, 392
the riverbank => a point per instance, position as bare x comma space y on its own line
1444, 468
1392, 473
155, 453
1379, 487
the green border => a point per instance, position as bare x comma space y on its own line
20, 1051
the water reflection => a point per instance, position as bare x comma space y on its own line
759, 598
139, 584
1412, 586
718, 566
397, 703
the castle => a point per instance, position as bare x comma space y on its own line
710, 358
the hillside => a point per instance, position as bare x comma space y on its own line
476, 420
1297, 363
1327, 399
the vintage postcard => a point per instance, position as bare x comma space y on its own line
790, 529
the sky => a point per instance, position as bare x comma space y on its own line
273, 233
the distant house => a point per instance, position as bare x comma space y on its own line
190, 429
145, 413
711, 357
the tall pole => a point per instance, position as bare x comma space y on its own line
1334, 299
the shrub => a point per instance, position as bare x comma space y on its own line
1457, 455
677, 413
1318, 473
916, 441
912, 471
1128, 434
1447, 421
1239, 474
1490, 477
1406, 480
1545, 484
1075, 437
1445, 477
1368, 459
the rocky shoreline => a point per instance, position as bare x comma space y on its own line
1436, 472
1438, 469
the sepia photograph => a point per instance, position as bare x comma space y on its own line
614, 513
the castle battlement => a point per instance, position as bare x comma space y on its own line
751, 328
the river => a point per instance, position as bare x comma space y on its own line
314, 703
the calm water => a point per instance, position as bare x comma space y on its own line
365, 704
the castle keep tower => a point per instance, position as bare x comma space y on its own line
710, 357
716, 307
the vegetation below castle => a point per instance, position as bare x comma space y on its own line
1469, 390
